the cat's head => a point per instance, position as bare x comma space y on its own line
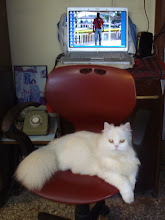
117, 138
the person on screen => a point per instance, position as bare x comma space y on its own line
98, 28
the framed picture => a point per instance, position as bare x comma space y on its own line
30, 83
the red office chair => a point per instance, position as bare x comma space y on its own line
87, 96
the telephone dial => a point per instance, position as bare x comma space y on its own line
36, 122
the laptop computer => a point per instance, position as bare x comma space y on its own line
97, 35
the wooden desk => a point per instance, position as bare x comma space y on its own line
150, 98
148, 74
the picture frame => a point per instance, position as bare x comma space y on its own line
30, 83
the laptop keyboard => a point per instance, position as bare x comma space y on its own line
97, 58
102, 55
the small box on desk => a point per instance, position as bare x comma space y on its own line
144, 44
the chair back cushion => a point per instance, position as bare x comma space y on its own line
88, 95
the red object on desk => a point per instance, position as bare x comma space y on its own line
148, 68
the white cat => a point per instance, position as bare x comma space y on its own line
109, 155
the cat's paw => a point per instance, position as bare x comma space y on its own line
128, 197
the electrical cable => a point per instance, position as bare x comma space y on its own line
148, 23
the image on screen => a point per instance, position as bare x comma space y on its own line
85, 30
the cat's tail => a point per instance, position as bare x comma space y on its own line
37, 168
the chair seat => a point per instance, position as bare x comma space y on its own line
66, 187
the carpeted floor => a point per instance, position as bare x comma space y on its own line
26, 206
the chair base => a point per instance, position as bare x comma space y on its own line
82, 212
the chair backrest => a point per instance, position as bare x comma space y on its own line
88, 95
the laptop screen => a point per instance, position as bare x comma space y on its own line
97, 29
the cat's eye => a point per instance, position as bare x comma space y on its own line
110, 141
122, 141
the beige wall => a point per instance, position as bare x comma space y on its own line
33, 26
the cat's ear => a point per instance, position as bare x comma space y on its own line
127, 126
107, 126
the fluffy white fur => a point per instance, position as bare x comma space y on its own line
109, 155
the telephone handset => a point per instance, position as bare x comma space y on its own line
36, 122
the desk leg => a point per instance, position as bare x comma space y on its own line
159, 140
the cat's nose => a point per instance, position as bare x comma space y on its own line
116, 146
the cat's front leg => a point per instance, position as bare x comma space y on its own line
132, 179
120, 182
